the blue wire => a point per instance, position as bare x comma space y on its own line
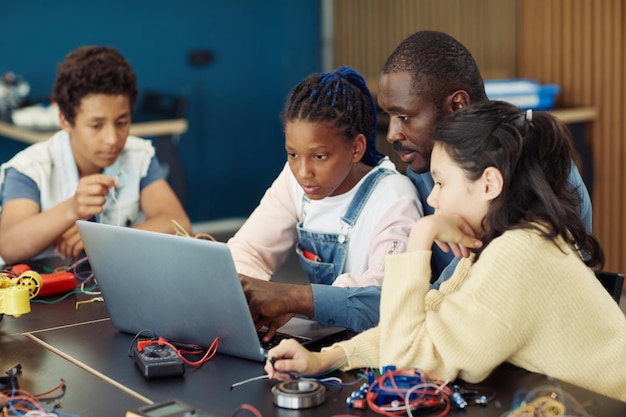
80, 276
10, 403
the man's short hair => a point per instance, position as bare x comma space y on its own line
439, 65
92, 70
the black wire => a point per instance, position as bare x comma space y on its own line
137, 336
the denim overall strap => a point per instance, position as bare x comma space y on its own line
323, 255
362, 195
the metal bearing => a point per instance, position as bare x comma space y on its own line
298, 394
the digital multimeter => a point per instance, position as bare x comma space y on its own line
158, 361
173, 408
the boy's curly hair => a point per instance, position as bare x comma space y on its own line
92, 70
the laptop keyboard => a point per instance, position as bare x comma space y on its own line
278, 336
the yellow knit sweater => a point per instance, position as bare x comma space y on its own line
525, 301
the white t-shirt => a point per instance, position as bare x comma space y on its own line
324, 216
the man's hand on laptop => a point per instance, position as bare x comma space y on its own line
272, 304
271, 324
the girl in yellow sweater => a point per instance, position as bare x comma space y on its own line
523, 293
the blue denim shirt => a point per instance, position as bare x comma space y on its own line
361, 310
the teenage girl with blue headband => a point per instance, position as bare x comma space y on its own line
338, 202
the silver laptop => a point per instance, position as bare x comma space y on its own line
182, 289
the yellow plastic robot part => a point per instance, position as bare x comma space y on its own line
14, 301
6, 280
30, 280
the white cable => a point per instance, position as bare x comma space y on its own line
119, 209
245, 381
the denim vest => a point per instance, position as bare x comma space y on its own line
323, 255
51, 165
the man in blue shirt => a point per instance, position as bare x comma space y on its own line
428, 76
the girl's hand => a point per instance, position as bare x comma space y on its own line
449, 232
290, 357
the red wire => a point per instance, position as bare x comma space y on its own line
210, 352
425, 395
8, 396
58, 387
252, 409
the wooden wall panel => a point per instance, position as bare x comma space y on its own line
367, 31
579, 44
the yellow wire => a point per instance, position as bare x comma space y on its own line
180, 231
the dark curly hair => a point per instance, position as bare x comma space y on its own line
534, 153
342, 100
92, 70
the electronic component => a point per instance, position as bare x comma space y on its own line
16, 291
50, 283
9, 382
173, 408
458, 398
297, 394
57, 283
397, 390
358, 398
415, 389
158, 361
14, 301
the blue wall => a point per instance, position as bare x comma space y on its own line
234, 146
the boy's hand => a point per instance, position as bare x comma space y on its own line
91, 195
69, 245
